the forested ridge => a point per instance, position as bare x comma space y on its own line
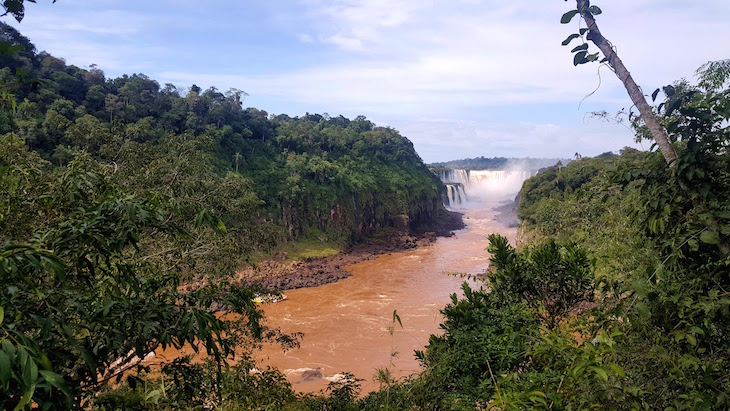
114, 193
270, 179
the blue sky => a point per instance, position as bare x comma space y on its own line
460, 78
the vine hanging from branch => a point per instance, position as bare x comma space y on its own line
581, 55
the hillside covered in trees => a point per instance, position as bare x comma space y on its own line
270, 179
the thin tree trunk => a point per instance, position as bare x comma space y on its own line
637, 97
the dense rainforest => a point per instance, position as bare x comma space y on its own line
270, 179
617, 296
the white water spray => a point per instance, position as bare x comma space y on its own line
472, 186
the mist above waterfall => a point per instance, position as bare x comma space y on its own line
496, 185
468, 188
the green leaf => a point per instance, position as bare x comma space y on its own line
4, 368
567, 17
45, 362
580, 58
30, 372
600, 372
696, 330
11, 49
570, 38
583, 46
25, 400
710, 237
90, 361
654, 94
2, 314
691, 339
55, 380
396, 317
153, 396
16, 8
9, 349
641, 287
618, 370
643, 310
595, 10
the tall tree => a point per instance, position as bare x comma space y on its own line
587, 13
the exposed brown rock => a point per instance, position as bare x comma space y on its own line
312, 374
286, 275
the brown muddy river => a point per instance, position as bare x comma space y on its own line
345, 324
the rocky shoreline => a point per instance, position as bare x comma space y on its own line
279, 274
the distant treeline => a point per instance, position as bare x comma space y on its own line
498, 163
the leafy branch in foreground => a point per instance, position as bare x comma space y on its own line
81, 305
16, 8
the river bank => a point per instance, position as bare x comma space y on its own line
280, 274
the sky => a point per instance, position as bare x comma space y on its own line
459, 78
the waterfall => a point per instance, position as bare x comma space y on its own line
455, 194
455, 177
485, 185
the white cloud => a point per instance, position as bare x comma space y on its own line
444, 139
355, 25
108, 38
425, 57
344, 42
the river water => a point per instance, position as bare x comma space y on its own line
345, 324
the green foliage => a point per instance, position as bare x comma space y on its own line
666, 290
653, 334
504, 346
579, 203
186, 386
684, 212
16, 8
580, 52
84, 296
550, 278
479, 333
